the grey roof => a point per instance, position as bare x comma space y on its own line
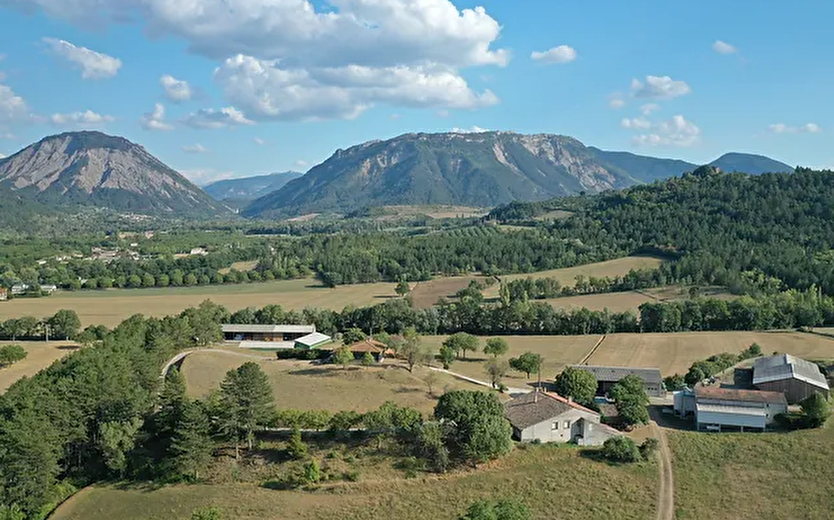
614, 374
786, 366
736, 410
528, 409
266, 329
734, 395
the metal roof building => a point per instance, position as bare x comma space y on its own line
726, 408
314, 340
267, 333
795, 377
607, 377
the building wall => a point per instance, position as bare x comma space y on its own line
730, 419
545, 432
794, 389
652, 389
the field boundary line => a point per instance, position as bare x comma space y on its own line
593, 350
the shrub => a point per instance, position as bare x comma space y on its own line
207, 513
620, 449
11, 354
312, 472
649, 448
296, 447
816, 410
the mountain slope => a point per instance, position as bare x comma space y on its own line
640, 167
95, 169
249, 188
749, 163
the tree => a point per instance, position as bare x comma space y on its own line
296, 448
312, 472
507, 509
115, 439
148, 280
447, 356
354, 335
460, 342
430, 445
207, 513
403, 288
246, 399
191, 444
412, 350
431, 378
674, 383
578, 384
816, 409
631, 400
368, 359
527, 363
11, 354
496, 369
496, 347
620, 449
479, 431
65, 324
343, 356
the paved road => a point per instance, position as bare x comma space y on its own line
666, 493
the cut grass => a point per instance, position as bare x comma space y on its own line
40, 356
546, 478
240, 266
752, 476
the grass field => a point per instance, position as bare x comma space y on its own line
40, 356
301, 385
111, 307
556, 482
675, 352
631, 300
240, 266
426, 294
751, 476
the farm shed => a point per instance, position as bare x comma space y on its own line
377, 349
548, 417
725, 408
684, 402
607, 377
314, 340
267, 333
795, 377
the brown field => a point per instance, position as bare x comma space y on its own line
302, 385
434, 211
111, 307
631, 300
240, 266
41, 355
547, 478
426, 294
675, 352
557, 351
558, 214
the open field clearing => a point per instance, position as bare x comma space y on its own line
558, 214
111, 307
557, 352
545, 477
752, 476
240, 266
675, 352
40, 356
426, 294
632, 300
433, 211
302, 385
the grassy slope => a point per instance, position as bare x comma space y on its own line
40, 356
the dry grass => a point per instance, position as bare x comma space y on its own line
752, 476
111, 307
632, 300
425, 294
240, 266
302, 385
41, 355
557, 352
434, 211
675, 352
547, 478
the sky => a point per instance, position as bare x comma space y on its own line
234, 88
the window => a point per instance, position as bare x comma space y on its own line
555, 425
567, 425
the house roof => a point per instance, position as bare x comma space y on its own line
714, 393
786, 366
267, 329
368, 345
614, 374
311, 340
528, 409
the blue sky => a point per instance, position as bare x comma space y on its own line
281, 84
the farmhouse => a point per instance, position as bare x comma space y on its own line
796, 377
548, 417
718, 409
267, 333
314, 340
607, 377
377, 349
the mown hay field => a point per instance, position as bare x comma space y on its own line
40, 356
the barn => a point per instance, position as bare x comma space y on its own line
272, 336
795, 377
721, 409
607, 377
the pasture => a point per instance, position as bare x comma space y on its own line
40, 356
425, 294
544, 477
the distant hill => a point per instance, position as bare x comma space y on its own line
748, 163
249, 188
476, 169
95, 169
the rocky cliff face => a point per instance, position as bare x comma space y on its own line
91, 168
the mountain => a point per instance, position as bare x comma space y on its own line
95, 169
249, 188
644, 169
748, 163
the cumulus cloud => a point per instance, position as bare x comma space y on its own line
675, 132
259, 141
176, 91
560, 54
195, 148
649, 109
203, 176
93, 65
659, 87
723, 47
156, 120
266, 91
782, 128
301, 163
13, 108
209, 118
88, 118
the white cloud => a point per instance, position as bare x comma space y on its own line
176, 91
13, 108
301, 164
560, 54
3, 156
649, 108
203, 176
442, 113
265, 91
675, 132
723, 47
259, 141
782, 128
195, 148
209, 118
472, 130
659, 87
93, 65
395, 117
616, 103
85, 119
156, 120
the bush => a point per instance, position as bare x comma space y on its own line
621, 450
296, 447
312, 472
501, 510
816, 410
207, 513
649, 448
11, 354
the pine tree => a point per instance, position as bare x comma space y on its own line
191, 444
247, 400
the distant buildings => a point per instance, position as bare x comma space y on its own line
794, 377
377, 349
313, 340
607, 377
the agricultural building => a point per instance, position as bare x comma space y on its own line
286, 334
795, 377
607, 377
377, 349
718, 409
314, 340
548, 417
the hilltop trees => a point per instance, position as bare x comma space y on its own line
64, 324
527, 363
246, 403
